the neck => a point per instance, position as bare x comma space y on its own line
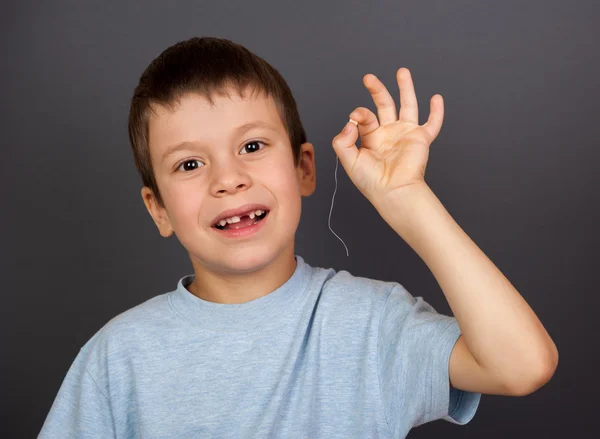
241, 287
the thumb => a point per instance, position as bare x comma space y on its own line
344, 145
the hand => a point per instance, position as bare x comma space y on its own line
394, 151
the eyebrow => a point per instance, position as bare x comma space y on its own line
237, 131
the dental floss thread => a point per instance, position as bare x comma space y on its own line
334, 191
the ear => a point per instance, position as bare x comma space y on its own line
158, 213
307, 176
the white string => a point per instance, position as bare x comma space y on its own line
330, 210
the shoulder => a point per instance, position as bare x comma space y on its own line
128, 327
359, 296
353, 295
345, 284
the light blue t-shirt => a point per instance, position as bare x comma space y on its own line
326, 355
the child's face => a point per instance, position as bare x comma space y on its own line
219, 171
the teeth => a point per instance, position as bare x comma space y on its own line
236, 219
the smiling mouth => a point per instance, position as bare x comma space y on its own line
245, 221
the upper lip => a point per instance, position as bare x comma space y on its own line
238, 211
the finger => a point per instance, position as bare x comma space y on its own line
344, 145
367, 121
409, 109
386, 107
436, 116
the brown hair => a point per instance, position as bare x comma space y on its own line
205, 66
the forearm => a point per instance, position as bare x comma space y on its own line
500, 329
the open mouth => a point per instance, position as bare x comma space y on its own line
245, 221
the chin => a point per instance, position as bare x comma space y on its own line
250, 263
246, 260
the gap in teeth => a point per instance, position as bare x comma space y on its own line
236, 219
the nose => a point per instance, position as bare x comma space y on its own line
228, 177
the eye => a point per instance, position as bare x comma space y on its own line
254, 149
187, 168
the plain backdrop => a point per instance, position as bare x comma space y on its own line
515, 164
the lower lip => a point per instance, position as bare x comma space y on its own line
246, 231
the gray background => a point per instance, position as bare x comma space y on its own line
514, 165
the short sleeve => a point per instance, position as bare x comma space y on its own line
81, 408
413, 349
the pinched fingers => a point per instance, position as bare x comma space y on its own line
366, 120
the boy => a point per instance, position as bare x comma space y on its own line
258, 343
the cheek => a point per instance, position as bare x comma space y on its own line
286, 187
281, 175
285, 183
185, 201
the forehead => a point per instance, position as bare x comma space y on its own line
193, 118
